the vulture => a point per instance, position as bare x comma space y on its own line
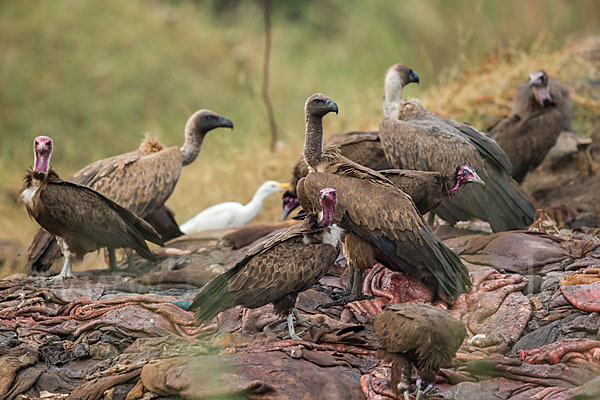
414, 138
428, 189
277, 269
361, 147
420, 335
232, 214
375, 214
541, 91
140, 181
81, 219
535, 124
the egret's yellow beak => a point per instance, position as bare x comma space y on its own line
284, 186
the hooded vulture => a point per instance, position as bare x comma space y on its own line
277, 269
414, 138
420, 335
537, 120
140, 181
232, 214
374, 213
81, 219
541, 91
428, 189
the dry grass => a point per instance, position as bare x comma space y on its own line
484, 94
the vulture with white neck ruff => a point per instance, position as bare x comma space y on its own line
277, 269
414, 138
535, 124
141, 181
374, 213
232, 214
81, 219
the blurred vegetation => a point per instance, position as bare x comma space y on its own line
96, 75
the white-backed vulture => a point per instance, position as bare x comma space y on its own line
277, 269
535, 124
414, 138
81, 219
374, 211
141, 181
232, 214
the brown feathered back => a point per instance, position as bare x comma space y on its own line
431, 143
85, 219
526, 139
131, 180
428, 336
374, 209
533, 128
273, 271
426, 189
361, 147
524, 101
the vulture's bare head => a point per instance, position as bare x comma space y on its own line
318, 105
466, 174
538, 82
42, 151
289, 202
328, 200
204, 121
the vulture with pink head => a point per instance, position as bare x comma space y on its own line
415, 138
278, 268
541, 110
81, 219
141, 181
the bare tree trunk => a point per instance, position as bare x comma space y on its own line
265, 87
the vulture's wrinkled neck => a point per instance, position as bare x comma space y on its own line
452, 184
313, 142
193, 142
327, 213
392, 94
455, 188
41, 162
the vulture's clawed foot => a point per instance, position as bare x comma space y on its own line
290, 324
420, 393
305, 322
343, 298
61, 277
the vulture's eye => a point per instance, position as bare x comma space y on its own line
317, 101
465, 172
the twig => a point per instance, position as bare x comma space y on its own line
265, 87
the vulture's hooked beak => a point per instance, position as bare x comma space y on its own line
331, 106
225, 122
476, 179
413, 77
